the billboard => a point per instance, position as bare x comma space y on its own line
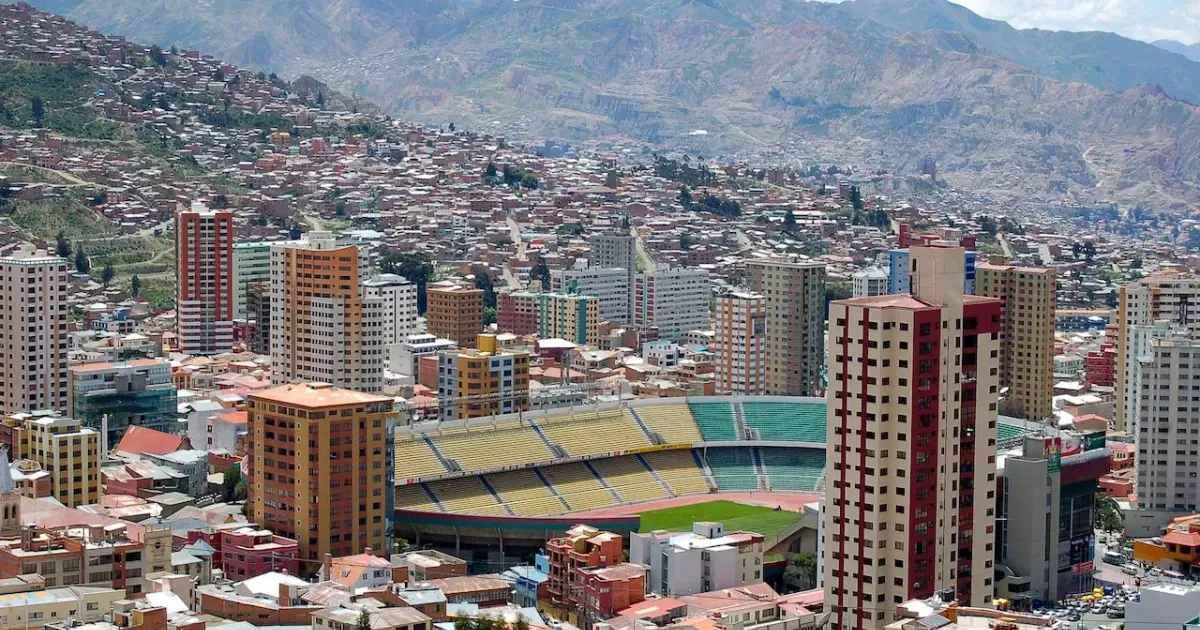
1093, 441
1053, 454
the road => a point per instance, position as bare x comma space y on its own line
73, 180
644, 262
744, 242
1004, 246
515, 229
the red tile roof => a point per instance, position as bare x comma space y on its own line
140, 440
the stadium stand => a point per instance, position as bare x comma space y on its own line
679, 470
673, 422
578, 486
414, 497
525, 493
414, 458
630, 479
733, 468
578, 433
506, 445
1007, 431
715, 421
786, 422
796, 469
467, 495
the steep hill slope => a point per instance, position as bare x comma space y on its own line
1191, 52
1022, 113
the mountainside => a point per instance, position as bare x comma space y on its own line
1191, 52
885, 82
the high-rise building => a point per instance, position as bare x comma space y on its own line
323, 467
136, 393
251, 265
399, 305
258, 307
1173, 298
33, 359
1167, 456
69, 452
675, 301
575, 318
739, 326
613, 287
869, 282
911, 440
898, 281
1027, 298
454, 312
794, 295
323, 329
483, 381
517, 312
205, 292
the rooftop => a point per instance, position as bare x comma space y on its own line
316, 395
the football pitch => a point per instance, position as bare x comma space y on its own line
734, 516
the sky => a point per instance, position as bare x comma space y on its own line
1146, 20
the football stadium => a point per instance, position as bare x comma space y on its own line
496, 488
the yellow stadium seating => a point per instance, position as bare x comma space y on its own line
414, 458
594, 433
630, 478
679, 470
525, 493
485, 448
673, 422
579, 487
466, 495
414, 497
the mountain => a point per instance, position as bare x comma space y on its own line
1090, 117
1191, 52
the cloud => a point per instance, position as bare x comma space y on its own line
1140, 19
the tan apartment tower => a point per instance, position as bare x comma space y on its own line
454, 312
794, 297
323, 329
1026, 335
910, 498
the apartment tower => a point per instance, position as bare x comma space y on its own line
68, 452
205, 288
1026, 335
794, 297
323, 468
483, 381
911, 441
1173, 298
33, 359
323, 329
739, 324
675, 301
454, 312
399, 305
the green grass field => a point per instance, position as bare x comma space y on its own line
735, 516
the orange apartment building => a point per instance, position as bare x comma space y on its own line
454, 312
204, 283
582, 546
321, 473
739, 343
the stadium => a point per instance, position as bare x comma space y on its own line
494, 489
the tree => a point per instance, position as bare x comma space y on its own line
107, 273
489, 315
320, 100
82, 264
490, 171
856, 200
789, 222
988, 225
135, 286
1089, 251
38, 107
530, 182
801, 572
157, 56
451, 127
220, 202
837, 291
415, 267
62, 247
1076, 250
685, 197
364, 621
1108, 513
229, 483
483, 280
542, 271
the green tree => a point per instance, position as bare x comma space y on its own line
62, 247
988, 225
685, 197
229, 483
490, 171
801, 572
157, 56
220, 202
364, 621
789, 222
489, 315
415, 267
483, 280
82, 264
530, 182
1089, 251
542, 271
837, 291
38, 107
320, 100
135, 286
107, 273
1108, 513
856, 200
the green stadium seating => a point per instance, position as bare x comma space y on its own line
733, 468
786, 422
715, 421
795, 469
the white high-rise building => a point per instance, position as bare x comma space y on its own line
204, 283
910, 501
615, 251
870, 282
323, 327
612, 287
33, 355
739, 343
675, 301
399, 305
1168, 458
1169, 297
